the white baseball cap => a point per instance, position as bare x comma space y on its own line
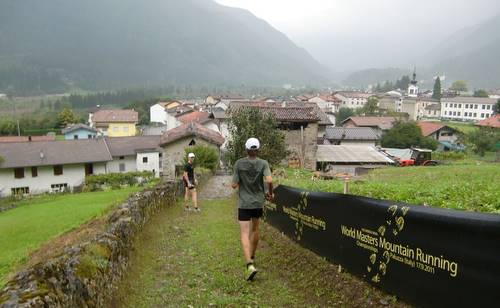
252, 144
191, 155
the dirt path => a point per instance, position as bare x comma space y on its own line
187, 259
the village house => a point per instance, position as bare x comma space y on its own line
379, 124
463, 108
438, 131
200, 117
175, 141
432, 111
327, 103
50, 166
492, 122
79, 131
158, 113
366, 136
414, 107
115, 123
352, 99
350, 159
138, 153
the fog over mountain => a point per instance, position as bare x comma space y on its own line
354, 35
109, 44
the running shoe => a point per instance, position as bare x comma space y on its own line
251, 272
197, 209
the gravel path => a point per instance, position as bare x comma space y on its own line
218, 187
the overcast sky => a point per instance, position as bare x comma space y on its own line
325, 26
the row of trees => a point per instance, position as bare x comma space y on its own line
400, 84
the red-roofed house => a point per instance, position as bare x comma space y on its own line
438, 131
493, 121
175, 141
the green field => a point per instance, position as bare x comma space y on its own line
37, 220
471, 187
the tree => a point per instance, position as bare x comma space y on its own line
406, 135
206, 157
66, 116
250, 122
459, 86
370, 108
484, 139
481, 93
436, 94
496, 107
343, 114
403, 83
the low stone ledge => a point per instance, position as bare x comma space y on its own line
86, 273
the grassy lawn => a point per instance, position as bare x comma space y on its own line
35, 221
464, 127
471, 187
186, 259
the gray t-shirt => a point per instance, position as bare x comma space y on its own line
249, 174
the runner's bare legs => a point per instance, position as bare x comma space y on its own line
254, 236
245, 240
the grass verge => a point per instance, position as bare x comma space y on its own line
471, 187
40, 219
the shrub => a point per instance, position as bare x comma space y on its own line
451, 155
206, 157
116, 180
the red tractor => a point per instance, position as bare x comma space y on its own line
419, 157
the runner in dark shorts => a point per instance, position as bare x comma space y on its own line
250, 173
190, 184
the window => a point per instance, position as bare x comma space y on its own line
466, 106
125, 129
89, 169
145, 160
116, 129
459, 105
192, 143
483, 106
34, 172
487, 115
75, 137
19, 173
488, 107
59, 187
122, 167
122, 157
20, 190
482, 115
475, 106
458, 113
89, 136
475, 115
58, 170
446, 105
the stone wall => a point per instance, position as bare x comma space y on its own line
293, 139
86, 273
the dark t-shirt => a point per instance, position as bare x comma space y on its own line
190, 171
249, 174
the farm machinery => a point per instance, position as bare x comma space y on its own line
412, 157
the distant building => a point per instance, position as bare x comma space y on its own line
115, 123
432, 111
352, 99
493, 122
366, 136
379, 124
413, 86
438, 131
158, 113
3, 95
467, 108
328, 103
79, 131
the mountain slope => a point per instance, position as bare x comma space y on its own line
105, 44
472, 54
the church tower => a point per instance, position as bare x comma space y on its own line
413, 87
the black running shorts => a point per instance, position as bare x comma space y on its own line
247, 214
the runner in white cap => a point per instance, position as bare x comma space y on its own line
250, 173
190, 184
